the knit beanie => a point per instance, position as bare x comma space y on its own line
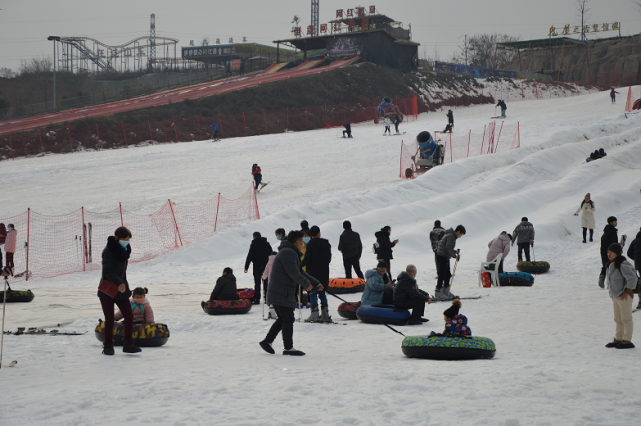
452, 311
616, 248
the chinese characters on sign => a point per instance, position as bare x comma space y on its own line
594, 28
207, 51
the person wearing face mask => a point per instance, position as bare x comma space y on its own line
10, 244
115, 258
281, 235
306, 239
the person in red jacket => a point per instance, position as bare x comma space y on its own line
257, 175
143, 314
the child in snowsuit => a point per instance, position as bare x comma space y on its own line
348, 130
143, 314
388, 122
455, 323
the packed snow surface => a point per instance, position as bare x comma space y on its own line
551, 366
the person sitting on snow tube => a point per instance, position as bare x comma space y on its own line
455, 323
225, 288
407, 295
376, 290
143, 314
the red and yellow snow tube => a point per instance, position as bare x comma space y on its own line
348, 309
346, 285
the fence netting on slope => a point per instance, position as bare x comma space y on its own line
492, 140
64, 139
48, 246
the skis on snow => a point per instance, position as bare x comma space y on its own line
262, 186
11, 364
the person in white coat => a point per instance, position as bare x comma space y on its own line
500, 244
587, 216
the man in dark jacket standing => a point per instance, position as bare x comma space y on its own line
259, 252
444, 252
287, 274
225, 288
524, 236
435, 237
316, 262
634, 253
609, 237
351, 247
407, 295
450, 121
385, 246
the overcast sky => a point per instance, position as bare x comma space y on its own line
440, 25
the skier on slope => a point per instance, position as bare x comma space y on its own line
501, 104
215, 127
397, 121
388, 122
257, 176
450, 121
613, 95
348, 130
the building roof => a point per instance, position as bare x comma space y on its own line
318, 42
229, 45
542, 43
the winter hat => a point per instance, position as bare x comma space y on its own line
347, 225
616, 248
452, 311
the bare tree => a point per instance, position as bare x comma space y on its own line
637, 4
7, 73
37, 65
482, 50
582, 9
295, 21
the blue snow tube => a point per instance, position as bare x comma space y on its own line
516, 279
383, 314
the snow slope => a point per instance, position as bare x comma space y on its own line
551, 366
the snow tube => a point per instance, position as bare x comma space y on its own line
247, 293
145, 335
533, 267
348, 310
383, 314
448, 348
226, 307
516, 279
346, 285
15, 296
637, 104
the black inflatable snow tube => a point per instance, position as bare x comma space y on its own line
533, 267
17, 296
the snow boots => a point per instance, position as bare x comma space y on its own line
128, 346
444, 295
108, 347
439, 296
450, 296
314, 317
325, 314
267, 347
294, 352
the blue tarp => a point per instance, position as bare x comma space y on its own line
476, 72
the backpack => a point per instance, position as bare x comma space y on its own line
375, 247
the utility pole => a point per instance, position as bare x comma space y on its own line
54, 39
152, 41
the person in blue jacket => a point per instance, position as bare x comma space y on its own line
215, 126
375, 286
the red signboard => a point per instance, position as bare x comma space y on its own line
235, 64
323, 28
310, 30
365, 23
339, 13
297, 31
350, 13
337, 26
372, 10
351, 24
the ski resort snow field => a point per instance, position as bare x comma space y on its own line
551, 366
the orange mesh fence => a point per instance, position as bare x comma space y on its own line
48, 246
468, 145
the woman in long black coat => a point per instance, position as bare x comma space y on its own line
115, 258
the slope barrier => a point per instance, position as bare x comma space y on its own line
49, 246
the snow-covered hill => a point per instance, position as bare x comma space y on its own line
551, 365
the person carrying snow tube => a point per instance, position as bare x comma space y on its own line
407, 295
114, 289
287, 274
14, 296
348, 130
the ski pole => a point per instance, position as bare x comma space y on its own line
454, 271
263, 300
332, 294
300, 303
4, 306
391, 328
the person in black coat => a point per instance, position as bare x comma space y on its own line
304, 226
407, 295
259, 252
450, 121
317, 258
351, 247
225, 288
609, 237
634, 253
501, 104
115, 258
348, 130
385, 246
